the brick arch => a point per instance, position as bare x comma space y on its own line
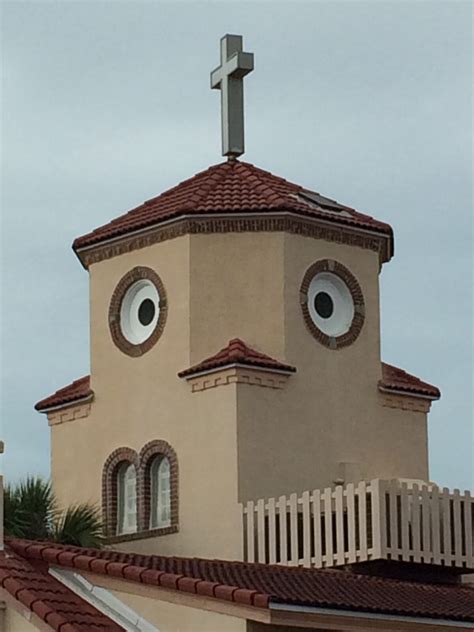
149, 451
109, 486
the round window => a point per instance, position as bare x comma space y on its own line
138, 311
332, 303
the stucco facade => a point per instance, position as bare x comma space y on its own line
237, 441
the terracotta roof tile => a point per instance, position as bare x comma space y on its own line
79, 389
29, 583
398, 380
237, 352
231, 187
263, 584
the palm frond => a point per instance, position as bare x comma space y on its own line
79, 525
30, 509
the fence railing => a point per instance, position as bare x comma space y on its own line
373, 520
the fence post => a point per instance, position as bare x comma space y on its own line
327, 500
318, 559
339, 507
457, 528
261, 531
351, 524
271, 531
427, 549
468, 530
250, 532
294, 529
282, 525
446, 513
379, 518
362, 511
393, 526
405, 522
305, 500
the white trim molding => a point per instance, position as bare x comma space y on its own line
103, 600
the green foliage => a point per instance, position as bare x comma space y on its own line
79, 525
31, 512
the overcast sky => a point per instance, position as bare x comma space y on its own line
106, 104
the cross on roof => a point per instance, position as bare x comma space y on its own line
228, 78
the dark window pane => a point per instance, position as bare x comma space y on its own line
146, 312
323, 304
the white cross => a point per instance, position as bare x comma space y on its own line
228, 78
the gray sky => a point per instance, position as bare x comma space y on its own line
106, 104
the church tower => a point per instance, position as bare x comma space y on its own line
235, 355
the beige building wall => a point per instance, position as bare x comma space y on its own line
12, 621
141, 399
328, 423
172, 617
237, 291
237, 442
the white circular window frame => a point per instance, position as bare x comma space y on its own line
343, 314
132, 328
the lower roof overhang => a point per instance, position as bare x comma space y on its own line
284, 614
353, 620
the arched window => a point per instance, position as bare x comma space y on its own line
127, 498
160, 488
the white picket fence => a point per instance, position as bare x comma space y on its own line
376, 520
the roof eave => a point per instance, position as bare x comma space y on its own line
68, 404
280, 612
408, 392
180, 216
189, 374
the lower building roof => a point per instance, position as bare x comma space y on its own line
265, 585
238, 352
27, 580
395, 379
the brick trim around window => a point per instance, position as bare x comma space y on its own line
329, 265
109, 486
142, 464
136, 274
147, 454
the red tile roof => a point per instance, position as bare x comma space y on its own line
237, 352
79, 389
262, 584
30, 583
394, 379
232, 187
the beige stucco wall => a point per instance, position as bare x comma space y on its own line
171, 617
15, 622
237, 290
236, 442
330, 412
140, 399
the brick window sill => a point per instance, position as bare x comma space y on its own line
141, 535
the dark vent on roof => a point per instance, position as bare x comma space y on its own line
320, 200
